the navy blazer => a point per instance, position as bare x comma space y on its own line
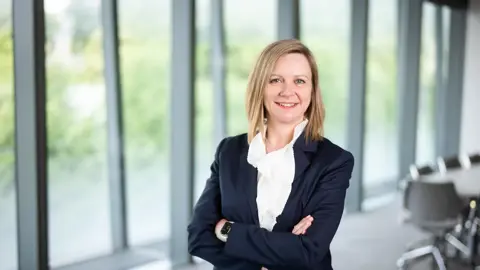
322, 174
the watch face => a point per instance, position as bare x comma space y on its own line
226, 228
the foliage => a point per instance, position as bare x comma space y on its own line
146, 84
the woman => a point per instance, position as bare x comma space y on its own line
276, 195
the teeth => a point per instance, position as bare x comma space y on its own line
287, 104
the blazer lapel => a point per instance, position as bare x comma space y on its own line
248, 181
302, 150
248, 174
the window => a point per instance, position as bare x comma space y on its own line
326, 30
8, 218
76, 116
381, 151
145, 64
446, 13
246, 38
426, 106
204, 98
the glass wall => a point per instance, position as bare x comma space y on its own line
76, 116
8, 224
325, 29
380, 157
429, 69
204, 98
426, 106
79, 201
250, 26
145, 64
446, 13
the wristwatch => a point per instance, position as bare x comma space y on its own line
225, 230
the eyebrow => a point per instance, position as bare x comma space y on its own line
297, 75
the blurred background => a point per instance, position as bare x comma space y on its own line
134, 96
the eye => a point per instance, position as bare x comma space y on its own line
299, 81
274, 80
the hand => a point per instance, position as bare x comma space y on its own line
303, 225
219, 227
300, 228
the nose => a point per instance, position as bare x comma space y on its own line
288, 89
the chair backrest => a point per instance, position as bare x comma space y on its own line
429, 202
474, 158
445, 164
416, 172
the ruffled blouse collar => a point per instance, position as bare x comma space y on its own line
263, 161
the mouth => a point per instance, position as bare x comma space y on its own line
286, 105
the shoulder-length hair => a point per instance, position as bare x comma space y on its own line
259, 77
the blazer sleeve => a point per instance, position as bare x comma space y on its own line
202, 241
285, 249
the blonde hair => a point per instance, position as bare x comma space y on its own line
259, 77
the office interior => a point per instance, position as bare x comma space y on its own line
111, 110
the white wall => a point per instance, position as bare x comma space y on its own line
470, 133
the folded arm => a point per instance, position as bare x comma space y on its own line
286, 249
202, 241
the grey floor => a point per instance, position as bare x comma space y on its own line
368, 241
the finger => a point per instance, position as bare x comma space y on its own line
306, 226
303, 225
302, 229
297, 227
297, 232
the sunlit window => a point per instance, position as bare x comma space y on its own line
76, 115
8, 218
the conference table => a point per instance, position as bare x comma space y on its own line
467, 185
466, 180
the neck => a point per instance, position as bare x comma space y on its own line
279, 135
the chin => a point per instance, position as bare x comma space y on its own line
288, 120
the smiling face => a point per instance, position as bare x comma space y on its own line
289, 89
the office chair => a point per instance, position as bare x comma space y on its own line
417, 171
474, 158
435, 209
446, 164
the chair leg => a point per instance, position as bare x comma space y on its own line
413, 254
437, 256
459, 245
421, 252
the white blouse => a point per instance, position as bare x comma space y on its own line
276, 171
